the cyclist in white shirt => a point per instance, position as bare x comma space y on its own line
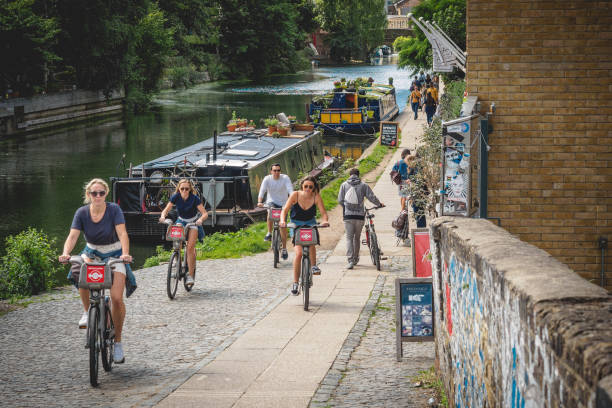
278, 187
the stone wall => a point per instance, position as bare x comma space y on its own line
547, 65
514, 326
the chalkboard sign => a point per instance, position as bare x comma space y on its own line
413, 311
388, 133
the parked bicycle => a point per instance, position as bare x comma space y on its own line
97, 277
274, 213
306, 236
177, 267
371, 240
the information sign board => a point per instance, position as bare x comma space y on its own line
388, 133
413, 311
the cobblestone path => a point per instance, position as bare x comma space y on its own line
44, 363
371, 376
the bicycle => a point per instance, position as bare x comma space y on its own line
100, 337
274, 214
177, 267
305, 236
371, 240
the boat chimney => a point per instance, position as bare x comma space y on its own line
215, 146
207, 157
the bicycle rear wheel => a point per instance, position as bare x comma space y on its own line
276, 247
375, 251
186, 271
107, 337
174, 274
305, 280
92, 342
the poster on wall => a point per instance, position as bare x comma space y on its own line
421, 257
414, 311
456, 167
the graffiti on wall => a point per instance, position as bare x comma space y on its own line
491, 353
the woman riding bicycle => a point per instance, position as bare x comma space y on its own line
303, 205
104, 227
188, 204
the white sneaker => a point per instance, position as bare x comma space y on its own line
83, 321
189, 280
118, 356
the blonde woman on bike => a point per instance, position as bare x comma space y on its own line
104, 227
188, 205
302, 206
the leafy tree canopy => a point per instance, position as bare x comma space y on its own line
355, 27
26, 44
415, 52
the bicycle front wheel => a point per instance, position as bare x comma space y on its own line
276, 247
375, 251
174, 274
92, 342
305, 280
106, 331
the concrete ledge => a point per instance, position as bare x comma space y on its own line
514, 324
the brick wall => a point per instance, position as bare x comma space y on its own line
513, 326
547, 65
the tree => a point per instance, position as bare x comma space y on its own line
27, 40
261, 37
416, 51
355, 27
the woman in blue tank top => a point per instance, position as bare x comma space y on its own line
303, 206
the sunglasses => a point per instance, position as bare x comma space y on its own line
184, 189
276, 171
97, 193
308, 186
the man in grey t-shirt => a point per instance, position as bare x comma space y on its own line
278, 188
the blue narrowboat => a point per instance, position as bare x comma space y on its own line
355, 108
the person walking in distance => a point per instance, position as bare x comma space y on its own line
351, 197
415, 97
278, 188
402, 168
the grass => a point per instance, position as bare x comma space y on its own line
247, 241
429, 379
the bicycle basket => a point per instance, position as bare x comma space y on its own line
175, 232
95, 276
275, 213
306, 236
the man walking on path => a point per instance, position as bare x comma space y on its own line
415, 97
351, 198
278, 187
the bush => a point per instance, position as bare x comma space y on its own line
29, 266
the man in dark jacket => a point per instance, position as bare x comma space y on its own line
350, 197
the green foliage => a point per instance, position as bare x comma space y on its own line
28, 41
427, 180
355, 27
247, 241
29, 266
259, 38
415, 52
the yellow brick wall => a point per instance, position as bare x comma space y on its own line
547, 65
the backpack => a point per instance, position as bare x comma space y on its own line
396, 176
401, 225
351, 196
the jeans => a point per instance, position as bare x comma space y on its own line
415, 109
353, 238
420, 218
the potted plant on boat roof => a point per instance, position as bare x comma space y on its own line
271, 123
283, 129
233, 122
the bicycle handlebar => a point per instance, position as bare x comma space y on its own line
169, 222
292, 225
374, 208
78, 260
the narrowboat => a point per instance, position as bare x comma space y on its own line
355, 108
227, 171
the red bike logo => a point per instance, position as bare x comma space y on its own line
176, 232
306, 235
95, 273
275, 214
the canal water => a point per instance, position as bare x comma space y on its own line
41, 176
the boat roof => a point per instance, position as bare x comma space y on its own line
234, 149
